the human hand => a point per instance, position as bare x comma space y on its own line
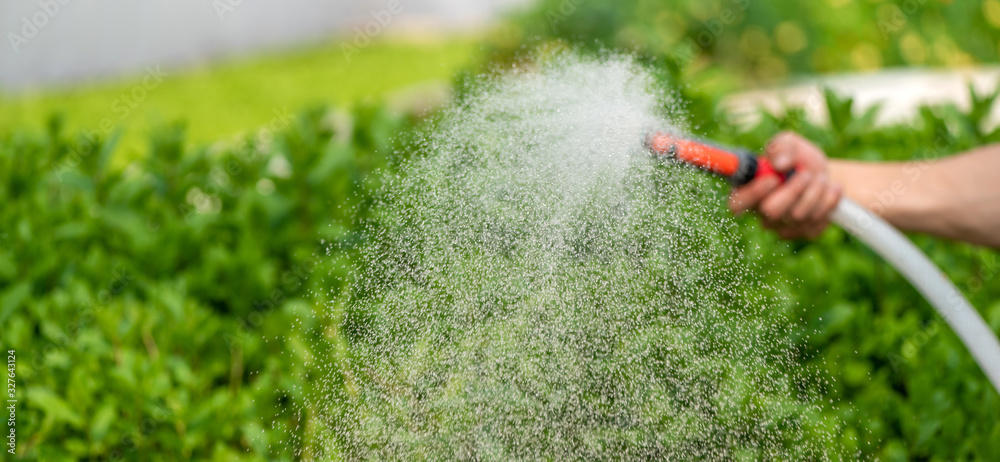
800, 207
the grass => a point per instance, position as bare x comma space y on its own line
222, 99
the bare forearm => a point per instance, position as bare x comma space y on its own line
956, 197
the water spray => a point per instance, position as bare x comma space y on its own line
740, 166
533, 290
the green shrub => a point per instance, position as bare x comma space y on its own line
769, 40
152, 308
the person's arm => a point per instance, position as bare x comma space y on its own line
956, 197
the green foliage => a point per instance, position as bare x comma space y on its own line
769, 40
152, 307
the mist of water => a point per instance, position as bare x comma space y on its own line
536, 287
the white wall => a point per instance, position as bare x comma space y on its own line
81, 39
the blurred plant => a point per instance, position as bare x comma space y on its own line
768, 41
144, 303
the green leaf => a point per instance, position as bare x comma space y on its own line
13, 298
101, 422
53, 406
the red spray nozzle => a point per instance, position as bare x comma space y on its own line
738, 165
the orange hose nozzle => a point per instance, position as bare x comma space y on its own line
708, 157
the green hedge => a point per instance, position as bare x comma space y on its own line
153, 308
770, 40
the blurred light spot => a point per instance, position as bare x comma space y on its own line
670, 27
913, 49
754, 41
702, 11
278, 166
790, 37
772, 68
866, 56
950, 54
265, 186
991, 12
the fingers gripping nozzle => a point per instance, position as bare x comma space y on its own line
738, 165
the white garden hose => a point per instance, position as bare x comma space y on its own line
900, 252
